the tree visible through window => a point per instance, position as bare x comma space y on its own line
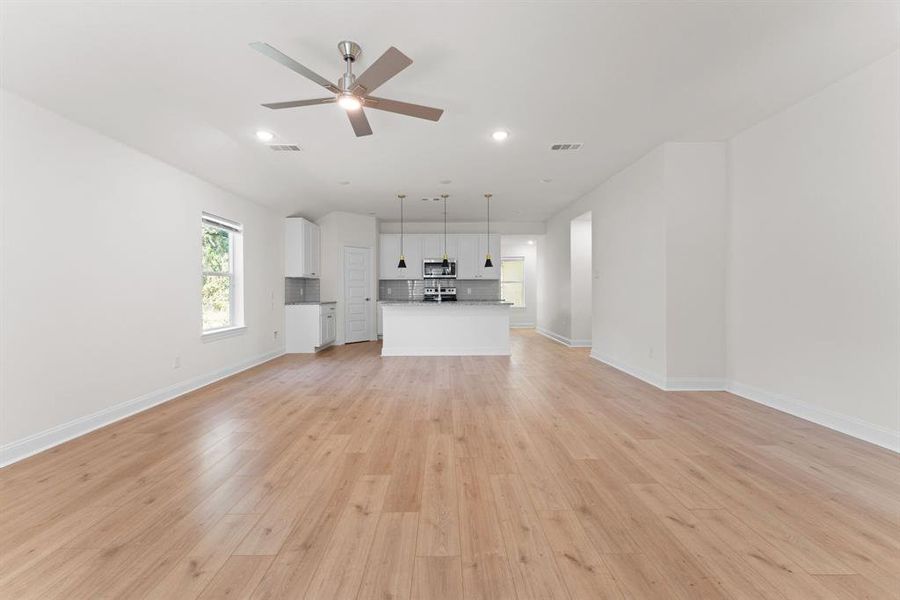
221, 244
512, 280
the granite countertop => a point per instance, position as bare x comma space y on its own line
311, 302
450, 302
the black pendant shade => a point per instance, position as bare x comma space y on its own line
445, 263
402, 263
488, 263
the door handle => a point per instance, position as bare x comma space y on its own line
367, 299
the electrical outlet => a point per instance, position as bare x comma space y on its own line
651, 352
176, 364
469, 291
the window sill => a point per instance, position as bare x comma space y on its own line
227, 332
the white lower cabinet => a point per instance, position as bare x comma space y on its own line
309, 327
380, 320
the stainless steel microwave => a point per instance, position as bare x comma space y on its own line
433, 269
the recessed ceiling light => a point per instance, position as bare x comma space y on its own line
531, 242
343, 183
446, 181
546, 180
265, 136
500, 135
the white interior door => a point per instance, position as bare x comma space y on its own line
357, 299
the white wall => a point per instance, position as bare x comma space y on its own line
340, 229
814, 296
628, 264
658, 252
517, 245
628, 213
581, 280
768, 265
696, 181
554, 271
101, 280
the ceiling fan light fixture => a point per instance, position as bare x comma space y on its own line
348, 101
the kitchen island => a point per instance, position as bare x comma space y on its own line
460, 328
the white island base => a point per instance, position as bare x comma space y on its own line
445, 329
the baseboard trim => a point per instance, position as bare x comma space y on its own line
20, 449
869, 432
695, 384
642, 374
563, 339
862, 430
521, 325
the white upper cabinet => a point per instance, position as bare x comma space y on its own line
412, 251
301, 248
389, 255
467, 257
467, 249
432, 245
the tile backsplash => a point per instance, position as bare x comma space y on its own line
414, 289
301, 289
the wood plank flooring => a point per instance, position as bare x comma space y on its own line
544, 475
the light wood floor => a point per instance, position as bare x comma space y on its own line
543, 475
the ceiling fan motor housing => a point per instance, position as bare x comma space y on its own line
349, 50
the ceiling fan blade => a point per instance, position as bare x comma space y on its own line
296, 103
404, 108
359, 122
388, 64
293, 65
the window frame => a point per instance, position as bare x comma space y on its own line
521, 282
234, 274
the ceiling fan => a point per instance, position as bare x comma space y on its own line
352, 92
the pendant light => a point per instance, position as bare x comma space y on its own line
446, 260
488, 263
402, 263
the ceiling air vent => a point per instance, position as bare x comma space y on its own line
285, 147
570, 147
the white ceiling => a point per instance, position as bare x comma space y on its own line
178, 81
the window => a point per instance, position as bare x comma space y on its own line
512, 280
221, 284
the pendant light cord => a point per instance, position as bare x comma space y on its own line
401, 196
444, 196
